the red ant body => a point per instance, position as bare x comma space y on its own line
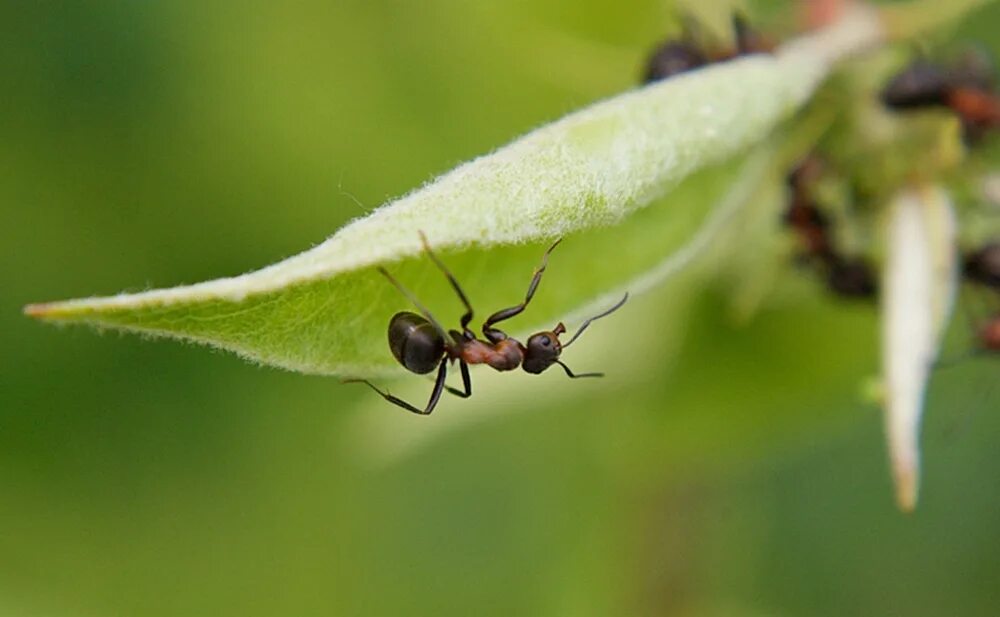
681, 56
845, 276
967, 90
421, 344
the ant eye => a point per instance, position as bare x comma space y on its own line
546, 342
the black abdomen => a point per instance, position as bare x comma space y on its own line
417, 345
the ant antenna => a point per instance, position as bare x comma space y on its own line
571, 375
587, 323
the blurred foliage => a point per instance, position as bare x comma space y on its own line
720, 469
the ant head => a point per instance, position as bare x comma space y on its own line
542, 350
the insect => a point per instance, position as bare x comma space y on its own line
966, 88
673, 57
846, 276
421, 344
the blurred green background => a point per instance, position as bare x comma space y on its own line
720, 469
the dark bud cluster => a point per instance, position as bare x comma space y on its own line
845, 275
981, 267
965, 87
688, 53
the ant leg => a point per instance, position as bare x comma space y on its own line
594, 318
431, 404
495, 335
420, 307
466, 382
571, 375
467, 316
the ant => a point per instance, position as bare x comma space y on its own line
850, 277
966, 88
420, 343
680, 56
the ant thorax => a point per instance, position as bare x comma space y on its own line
504, 355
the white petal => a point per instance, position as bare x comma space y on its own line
919, 280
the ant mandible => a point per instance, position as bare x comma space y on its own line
420, 343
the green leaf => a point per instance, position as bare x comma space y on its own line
632, 180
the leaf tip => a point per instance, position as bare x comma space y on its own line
47, 311
906, 474
38, 311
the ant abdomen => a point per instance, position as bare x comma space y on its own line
415, 342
